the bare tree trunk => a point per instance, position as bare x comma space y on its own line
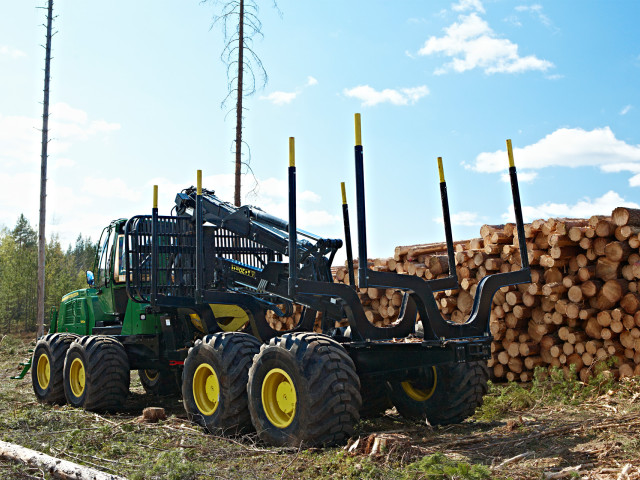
43, 175
238, 175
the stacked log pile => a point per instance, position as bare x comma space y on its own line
581, 309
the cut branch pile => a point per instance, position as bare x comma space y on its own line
582, 307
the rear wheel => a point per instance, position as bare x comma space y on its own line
159, 382
96, 374
47, 366
444, 395
303, 389
375, 399
214, 386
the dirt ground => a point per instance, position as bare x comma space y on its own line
552, 429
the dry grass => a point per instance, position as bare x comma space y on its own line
536, 432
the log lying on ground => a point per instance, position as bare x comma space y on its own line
54, 466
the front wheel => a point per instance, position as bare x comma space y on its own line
96, 374
214, 386
47, 366
303, 389
446, 394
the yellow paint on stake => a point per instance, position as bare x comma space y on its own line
358, 130
440, 170
510, 153
155, 196
199, 192
292, 152
344, 193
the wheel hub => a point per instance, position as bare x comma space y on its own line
206, 389
422, 390
279, 398
43, 371
77, 377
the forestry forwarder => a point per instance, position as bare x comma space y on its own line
172, 292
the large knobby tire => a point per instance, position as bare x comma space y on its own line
96, 374
159, 382
447, 394
47, 366
375, 398
214, 385
303, 390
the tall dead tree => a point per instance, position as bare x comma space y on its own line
42, 241
240, 24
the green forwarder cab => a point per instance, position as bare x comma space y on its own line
104, 308
120, 334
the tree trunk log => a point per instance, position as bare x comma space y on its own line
57, 467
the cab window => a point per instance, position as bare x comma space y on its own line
120, 266
103, 255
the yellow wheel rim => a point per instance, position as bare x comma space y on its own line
151, 375
420, 394
206, 389
77, 377
43, 371
279, 398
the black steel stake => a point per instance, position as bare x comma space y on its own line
154, 247
360, 208
447, 219
199, 243
347, 236
517, 208
293, 240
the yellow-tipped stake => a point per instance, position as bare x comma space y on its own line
199, 174
510, 153
358, 130
155, 196
440, 170
344, 193
292, 152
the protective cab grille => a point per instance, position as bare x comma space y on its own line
176, 255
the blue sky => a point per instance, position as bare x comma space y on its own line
137, 87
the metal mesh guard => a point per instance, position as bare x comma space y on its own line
176, 272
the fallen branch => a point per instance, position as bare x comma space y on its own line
515, 459
55, 466
566, 472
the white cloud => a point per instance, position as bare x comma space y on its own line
536, 9
584, 208
370, 96
20, 136
523, 177
284, 98
11, 52
625, 110
463, 219
569, 147
464, 5
65, 113
471, 43
271, 196
102, 187
280, 98
61, 162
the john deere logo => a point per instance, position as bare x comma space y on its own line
243, 271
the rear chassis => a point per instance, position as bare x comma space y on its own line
238, 258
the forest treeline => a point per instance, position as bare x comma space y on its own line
65, 272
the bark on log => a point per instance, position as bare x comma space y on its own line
626, 216
55, 466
